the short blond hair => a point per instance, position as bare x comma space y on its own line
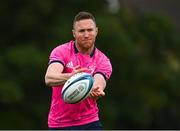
82, 16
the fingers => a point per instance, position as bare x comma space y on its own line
82, 70
78, 69
97, 93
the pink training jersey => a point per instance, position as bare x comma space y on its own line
62, 114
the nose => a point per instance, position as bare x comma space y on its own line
86, 33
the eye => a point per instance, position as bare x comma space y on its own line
89, 30
82, 30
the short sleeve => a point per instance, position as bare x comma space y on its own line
57, 55
104, 67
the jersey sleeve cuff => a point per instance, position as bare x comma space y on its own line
56, 61
101, 74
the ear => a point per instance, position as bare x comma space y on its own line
73, 32
97, 30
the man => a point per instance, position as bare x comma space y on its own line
70, 58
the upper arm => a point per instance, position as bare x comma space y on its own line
56, 61
54, 68
104, 68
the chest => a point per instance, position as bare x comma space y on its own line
81, 60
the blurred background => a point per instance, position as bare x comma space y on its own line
142, 39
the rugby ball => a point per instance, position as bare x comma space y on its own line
77, 88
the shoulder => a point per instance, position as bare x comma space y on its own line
61, 52
65, 46
100, 54
62, 49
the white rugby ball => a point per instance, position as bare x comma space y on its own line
77, 88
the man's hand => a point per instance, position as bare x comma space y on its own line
98, 87
96, 93
78, 69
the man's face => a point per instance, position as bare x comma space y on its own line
85, 32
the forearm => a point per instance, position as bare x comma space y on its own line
98, 87
57, 79
99, 81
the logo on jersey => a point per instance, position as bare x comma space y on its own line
70, 65
91, 68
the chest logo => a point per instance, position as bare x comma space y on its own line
70, 64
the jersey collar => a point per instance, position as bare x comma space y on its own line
76, 50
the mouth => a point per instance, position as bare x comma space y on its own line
87, 40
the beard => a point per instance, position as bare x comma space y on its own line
85, 46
